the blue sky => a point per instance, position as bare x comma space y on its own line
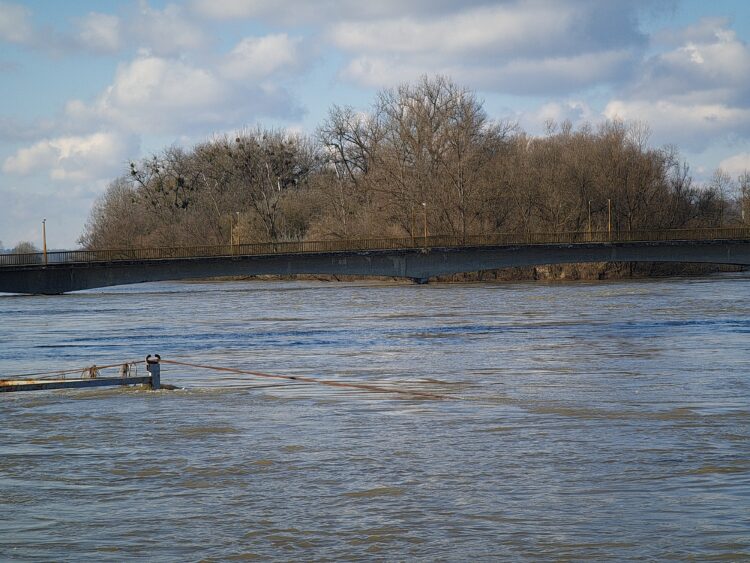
88, 86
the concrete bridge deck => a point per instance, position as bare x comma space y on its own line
418, 259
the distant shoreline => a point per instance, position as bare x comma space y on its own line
555, 273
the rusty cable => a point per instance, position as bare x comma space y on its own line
304, 379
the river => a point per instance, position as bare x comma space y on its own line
605, 420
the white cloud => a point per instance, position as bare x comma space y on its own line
15, 26
100, 32
539, 47
692, 126
228, 9
72, 159
712, 62
40, 155
159, 95
306, 12
259, 57
562, 73
519, 76
168, 31
704, 30
737, 164
154, 95
504, 29
162, 83
695, 93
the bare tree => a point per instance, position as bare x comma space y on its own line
25, 247
118, 219
266, 165
722, 184
743, 191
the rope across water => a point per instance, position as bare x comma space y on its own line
350, 385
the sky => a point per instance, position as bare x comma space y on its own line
88, 86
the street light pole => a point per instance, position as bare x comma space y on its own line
231, 233
609, 217
44, 239
424, 206
590, 237
238, 228
413, 231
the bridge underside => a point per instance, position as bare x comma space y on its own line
415, 264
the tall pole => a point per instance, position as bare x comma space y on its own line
590, 221
609, 217
424, 206
231, 233
238, 229
413, 223
44, 239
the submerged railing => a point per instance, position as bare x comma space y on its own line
437, 241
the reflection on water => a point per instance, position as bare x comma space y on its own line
606, 421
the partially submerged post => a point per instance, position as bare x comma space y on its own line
152, 366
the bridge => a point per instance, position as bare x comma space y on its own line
418, 258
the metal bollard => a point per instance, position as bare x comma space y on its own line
152, 367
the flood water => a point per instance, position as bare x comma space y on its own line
576, 421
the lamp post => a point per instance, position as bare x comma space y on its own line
44, 239
238, 228
231, 233
609, 217
413, 224
424, 206
590, 237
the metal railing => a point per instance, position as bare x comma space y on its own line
437, 241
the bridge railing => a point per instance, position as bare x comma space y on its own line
435, 241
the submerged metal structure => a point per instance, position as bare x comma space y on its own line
89, 378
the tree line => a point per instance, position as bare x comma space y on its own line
425, 157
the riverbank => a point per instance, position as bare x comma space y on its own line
558, 272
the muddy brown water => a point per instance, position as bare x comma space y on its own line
580, 421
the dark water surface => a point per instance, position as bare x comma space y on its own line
584, 421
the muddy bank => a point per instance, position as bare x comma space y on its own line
592, 271
565, 272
